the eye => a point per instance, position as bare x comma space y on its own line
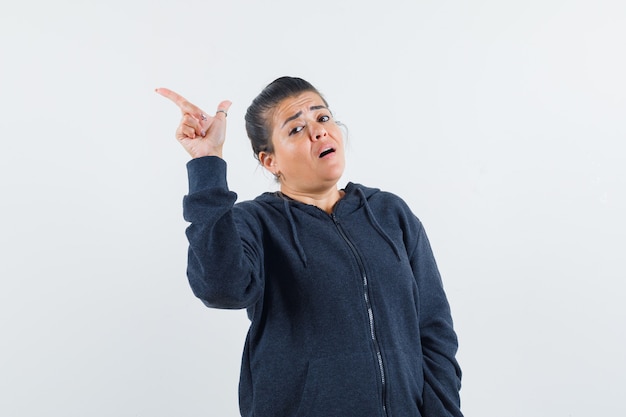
295, 130
324, 118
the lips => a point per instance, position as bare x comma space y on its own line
326, 151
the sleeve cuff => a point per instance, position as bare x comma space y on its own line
206, 172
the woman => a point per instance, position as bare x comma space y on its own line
348, 313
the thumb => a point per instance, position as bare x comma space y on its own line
222, 110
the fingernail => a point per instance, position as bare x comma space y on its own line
202, 133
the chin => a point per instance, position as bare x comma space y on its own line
334, 178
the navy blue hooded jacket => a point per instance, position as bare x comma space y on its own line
348, 312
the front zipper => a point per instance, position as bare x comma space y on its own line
370, 312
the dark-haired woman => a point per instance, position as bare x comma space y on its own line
348, 313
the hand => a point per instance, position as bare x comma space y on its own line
199, 133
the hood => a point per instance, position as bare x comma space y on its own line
356, 198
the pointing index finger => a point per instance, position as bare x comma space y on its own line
183, 104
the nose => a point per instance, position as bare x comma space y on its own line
317, 131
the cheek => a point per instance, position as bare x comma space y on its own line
288, 154
338, 134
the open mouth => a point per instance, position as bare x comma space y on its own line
326, 152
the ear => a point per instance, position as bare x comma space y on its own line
268, 161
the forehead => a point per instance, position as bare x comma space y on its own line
290, 106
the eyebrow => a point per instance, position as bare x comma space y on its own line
295, 116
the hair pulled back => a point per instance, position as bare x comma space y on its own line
258, 115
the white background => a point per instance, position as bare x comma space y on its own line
501, 123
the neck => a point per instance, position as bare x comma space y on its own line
324, 200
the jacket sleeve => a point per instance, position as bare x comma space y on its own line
225, 255
442, 374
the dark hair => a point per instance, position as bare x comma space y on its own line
258, 114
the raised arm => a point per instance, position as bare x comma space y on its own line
224, 247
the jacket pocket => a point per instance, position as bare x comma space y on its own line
341, 386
